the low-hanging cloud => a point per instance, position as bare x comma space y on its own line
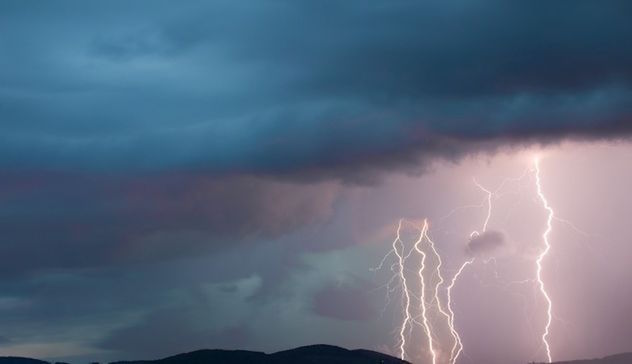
365, 87
349, 301
485, 243
198, 137
84, 220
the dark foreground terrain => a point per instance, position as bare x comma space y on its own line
306, 354
315, 354
625, 358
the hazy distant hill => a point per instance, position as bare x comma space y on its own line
315, 354
625, 358
17, 360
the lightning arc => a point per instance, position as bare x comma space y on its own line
441, 281
543, 254
424, 314
399, 268
398, 249
457, 347
401, 260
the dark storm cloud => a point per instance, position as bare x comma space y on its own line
348, 301
485, 243
283, 87
148, 132
51, 220
141, 341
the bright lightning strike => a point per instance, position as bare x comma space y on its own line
457, 348
543, 254
402, 255
401, 260
449, 317
432, 279
489, 207
398, 249
424, 314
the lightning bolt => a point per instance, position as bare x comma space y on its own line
543, 254
398, 249
401, 260
448, 313
410, 315
457, 348
489, 207
424, 315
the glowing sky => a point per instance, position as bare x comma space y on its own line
225, 174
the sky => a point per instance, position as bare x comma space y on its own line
225, 174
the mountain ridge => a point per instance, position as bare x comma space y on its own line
310, 354
305, 354
623, 358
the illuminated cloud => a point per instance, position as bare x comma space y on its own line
486, 243
85, 221
143, 89
348, 301
148, 150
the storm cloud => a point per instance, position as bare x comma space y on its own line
293, 87
348, 301
211, 169
485, 243
86, 221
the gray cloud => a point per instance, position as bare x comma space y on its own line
141, 341
349, 301
485, 243
138, 137
220, 88
85, 221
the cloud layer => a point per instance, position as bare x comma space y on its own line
485, 243
294, 87
78, 220
155, 157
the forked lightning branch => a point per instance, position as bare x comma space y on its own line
423, 297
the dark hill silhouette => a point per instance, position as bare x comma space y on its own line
208, 356
331, 354
18, 360
625, 358
314, 354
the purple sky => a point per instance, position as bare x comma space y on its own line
223, 175
315, 285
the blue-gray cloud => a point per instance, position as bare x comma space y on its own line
292, 87
145, 132
485, 243
349, 301
78, 220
